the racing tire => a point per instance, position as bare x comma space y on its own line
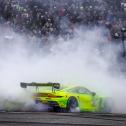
72, 105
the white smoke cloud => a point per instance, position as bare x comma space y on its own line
87, 59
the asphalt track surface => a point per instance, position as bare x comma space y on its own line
60, 119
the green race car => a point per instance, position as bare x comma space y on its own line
71, 99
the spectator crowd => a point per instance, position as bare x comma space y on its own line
59, 17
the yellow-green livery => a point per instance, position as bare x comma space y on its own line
71, 99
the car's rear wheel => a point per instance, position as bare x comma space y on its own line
72, 105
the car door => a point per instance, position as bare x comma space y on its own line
85, 99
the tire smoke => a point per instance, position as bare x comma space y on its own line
87, 58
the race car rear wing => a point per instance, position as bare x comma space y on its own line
34, 84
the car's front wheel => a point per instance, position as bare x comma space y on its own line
107, 106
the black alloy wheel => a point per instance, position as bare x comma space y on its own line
72, 104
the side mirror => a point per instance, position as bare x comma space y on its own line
93, 93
